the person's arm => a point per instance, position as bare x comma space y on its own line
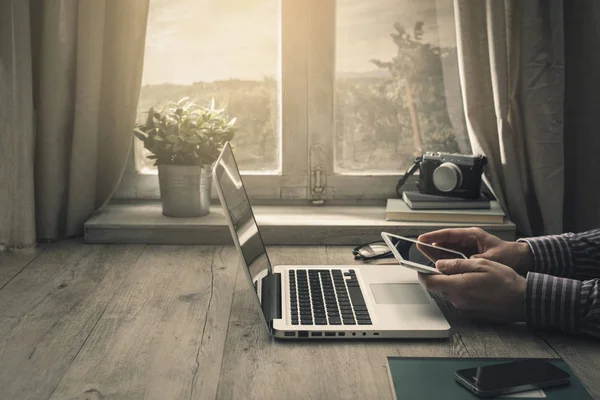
566, 304
570, 255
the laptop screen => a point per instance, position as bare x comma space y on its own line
243, 224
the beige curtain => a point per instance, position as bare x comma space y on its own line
511, 63
70, 75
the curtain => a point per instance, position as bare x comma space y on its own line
70, 76
511, 65
582, 115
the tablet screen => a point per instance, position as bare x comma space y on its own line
422, 253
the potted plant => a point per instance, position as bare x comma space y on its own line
185, 140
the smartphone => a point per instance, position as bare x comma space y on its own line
512, 377
417, 255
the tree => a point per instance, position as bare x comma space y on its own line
417, 89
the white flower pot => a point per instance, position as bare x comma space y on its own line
185, 190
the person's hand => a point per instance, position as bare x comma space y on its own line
480, 288
477, 243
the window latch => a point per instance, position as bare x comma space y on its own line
318, 181
318, 189
318, 177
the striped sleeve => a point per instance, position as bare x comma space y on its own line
566, 304
590, 307
570, 255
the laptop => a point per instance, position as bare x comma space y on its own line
355, 301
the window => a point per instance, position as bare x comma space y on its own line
333, 98
226, 50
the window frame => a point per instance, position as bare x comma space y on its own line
306, 122
344, 187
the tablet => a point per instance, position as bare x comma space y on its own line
417, 255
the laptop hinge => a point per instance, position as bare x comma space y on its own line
271, 297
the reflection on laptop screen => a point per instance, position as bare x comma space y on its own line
236, 201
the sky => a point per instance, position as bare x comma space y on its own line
193, 40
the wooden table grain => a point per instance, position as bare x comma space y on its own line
84, 321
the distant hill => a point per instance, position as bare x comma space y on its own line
250, 83
375, 73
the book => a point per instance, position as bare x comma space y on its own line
398, 210
411, 378
421, 201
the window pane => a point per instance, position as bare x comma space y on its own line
397, 88
221, 49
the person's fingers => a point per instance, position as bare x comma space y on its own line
460, 266
487, 255
434, 252
452, 237
441, 283
448, 235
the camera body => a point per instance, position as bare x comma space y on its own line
448, 174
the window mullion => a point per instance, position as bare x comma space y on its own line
294, 92
321, 92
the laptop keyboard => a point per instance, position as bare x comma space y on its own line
326, 297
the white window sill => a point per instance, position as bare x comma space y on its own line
280, 225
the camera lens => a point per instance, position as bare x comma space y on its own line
447, 177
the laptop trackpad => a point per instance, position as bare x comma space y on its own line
399, 293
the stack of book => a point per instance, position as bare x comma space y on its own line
415, 206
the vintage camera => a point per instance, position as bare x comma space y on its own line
447, 174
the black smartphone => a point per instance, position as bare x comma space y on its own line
512, 377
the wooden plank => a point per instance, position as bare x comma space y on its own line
482, 339
280, 225
13, 261
212, 235
583, 356
163, 335
50, 308
256, 366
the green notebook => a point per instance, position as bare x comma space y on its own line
398, 210
433, 378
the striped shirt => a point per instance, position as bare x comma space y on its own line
563, 289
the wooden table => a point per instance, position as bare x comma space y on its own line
179, 322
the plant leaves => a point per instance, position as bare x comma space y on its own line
149, 118
183, 100
184, 133
177, 147
173, 138
139, 134
193, 140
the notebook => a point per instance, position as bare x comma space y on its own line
421, 201
433, 378
398, 210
